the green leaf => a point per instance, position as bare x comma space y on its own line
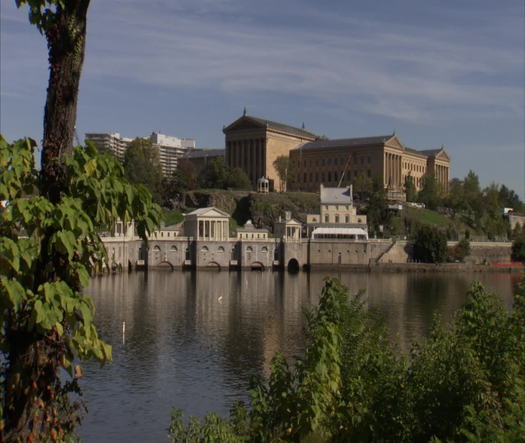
66, 242
9, 255
15, 292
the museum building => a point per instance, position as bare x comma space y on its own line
384, 158
253, 144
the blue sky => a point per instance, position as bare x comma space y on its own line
437, 72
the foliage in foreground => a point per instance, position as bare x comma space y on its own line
48, 250
465, 383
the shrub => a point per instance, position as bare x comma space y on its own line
464, 383
430, 245
459, 251
518, 249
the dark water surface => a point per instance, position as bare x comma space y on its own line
194, 340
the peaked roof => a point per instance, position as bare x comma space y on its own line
415, 151
206, 211
344, 142
436, 153
341, 196
246, 121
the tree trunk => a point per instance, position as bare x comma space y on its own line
66, 39
33, 380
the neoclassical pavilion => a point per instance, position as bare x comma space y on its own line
209, 224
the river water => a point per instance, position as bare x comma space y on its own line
194, 340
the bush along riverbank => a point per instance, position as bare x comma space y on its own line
465, 383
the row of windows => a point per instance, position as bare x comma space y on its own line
339, 219
332, 176
412, 167
340, 236
253, 235
347, 207
168, 234
336, 161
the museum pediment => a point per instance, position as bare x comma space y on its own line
244, 123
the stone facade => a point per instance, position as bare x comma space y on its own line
384, 159
253, 144
210, 224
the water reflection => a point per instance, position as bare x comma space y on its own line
194, 340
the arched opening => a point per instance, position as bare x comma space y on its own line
257, 266
173, 248
165, 265
293, 265
213, 265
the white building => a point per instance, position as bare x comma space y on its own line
113, 144
170, 148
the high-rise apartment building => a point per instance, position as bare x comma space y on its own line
170, 148
113, 144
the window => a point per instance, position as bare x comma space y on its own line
326, 218
337, 218
347, 219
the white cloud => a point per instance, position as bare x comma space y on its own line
406, 72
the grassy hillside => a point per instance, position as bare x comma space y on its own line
412, 217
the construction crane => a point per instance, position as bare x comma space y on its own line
347, 164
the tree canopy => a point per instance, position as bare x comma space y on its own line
430, 245
429, 194
285, 171
218, 175
142, 166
